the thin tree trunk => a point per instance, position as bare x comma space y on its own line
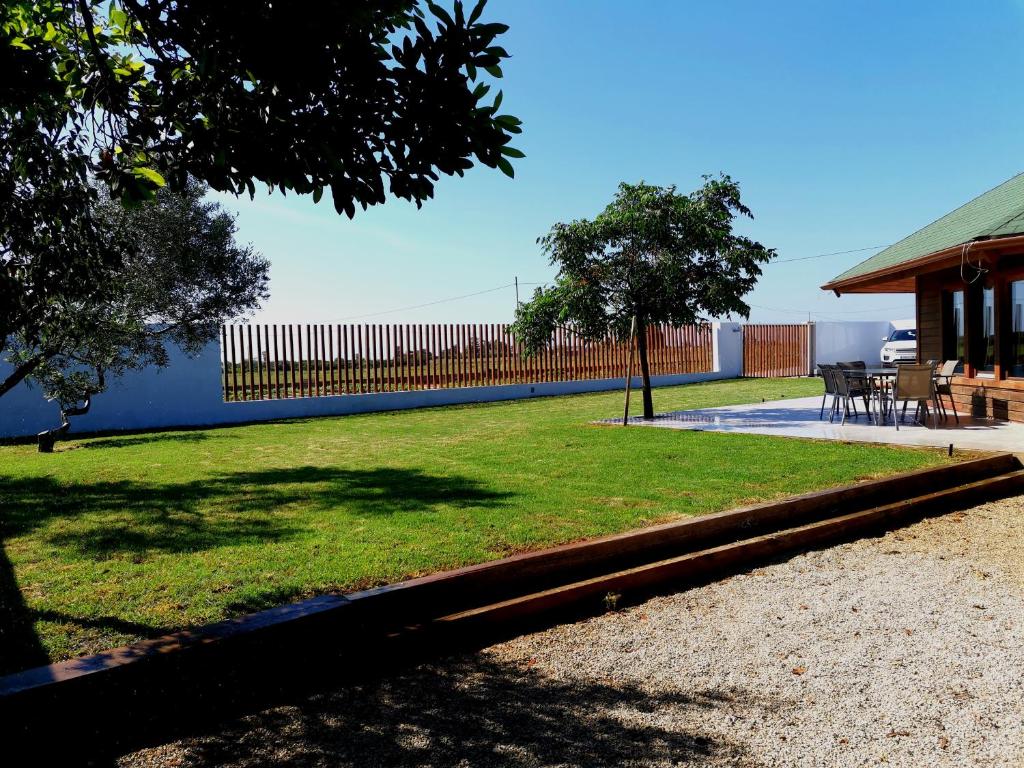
645, 368
48, 437
19, 373
629, 371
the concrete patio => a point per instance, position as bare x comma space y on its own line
799, 418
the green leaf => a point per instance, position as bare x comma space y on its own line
318, 192
506, 167
512, 152
477, 10
118, 17
150, 175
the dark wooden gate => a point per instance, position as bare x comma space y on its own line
775, 350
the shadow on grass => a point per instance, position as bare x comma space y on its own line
106, 518
130, 441
19, 645
474, 711
107, 623
133, 519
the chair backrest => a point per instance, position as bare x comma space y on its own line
828, 376
948, 368
855, 384
841, 382
914, 382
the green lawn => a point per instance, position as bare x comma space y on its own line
116, 538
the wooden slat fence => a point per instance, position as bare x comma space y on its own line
268, 362
775, 350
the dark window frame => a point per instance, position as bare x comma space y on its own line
948, 340
1007, 278
978, 346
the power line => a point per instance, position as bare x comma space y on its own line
833, 253
827, 312
432, 303
861, 311
757, 306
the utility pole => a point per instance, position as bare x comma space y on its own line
517, 290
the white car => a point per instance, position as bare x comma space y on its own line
900, 347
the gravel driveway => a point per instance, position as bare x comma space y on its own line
903, 650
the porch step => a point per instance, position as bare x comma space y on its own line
589, 596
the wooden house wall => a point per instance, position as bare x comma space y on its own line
929, 318
997, 397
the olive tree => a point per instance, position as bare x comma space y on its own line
181, 275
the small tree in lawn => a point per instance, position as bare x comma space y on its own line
653, 256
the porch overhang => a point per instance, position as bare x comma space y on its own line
900, 278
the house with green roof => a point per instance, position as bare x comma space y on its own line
966, 270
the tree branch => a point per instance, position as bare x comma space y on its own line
143, 17
90, 23
101, 56
19, 373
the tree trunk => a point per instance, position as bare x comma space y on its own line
645, 368
48, 437
20, 373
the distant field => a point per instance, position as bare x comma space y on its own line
117, 538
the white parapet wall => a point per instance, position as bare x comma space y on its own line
844, 341
188, 393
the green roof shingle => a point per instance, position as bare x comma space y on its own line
997, 213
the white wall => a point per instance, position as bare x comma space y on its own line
728, 341
188, 393
862, 340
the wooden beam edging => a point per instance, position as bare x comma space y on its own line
450, 591
153, 689
715, 562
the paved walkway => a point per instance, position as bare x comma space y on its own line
799, 418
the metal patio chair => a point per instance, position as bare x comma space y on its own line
857, 383
944, 386
915, 383
850, 386
830, 389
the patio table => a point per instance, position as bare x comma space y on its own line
876, 383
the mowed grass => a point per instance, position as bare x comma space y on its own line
115, 538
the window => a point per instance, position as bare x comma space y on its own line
908, 334
1015, 340
987, 352
954, 330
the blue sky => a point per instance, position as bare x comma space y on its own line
847, 125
